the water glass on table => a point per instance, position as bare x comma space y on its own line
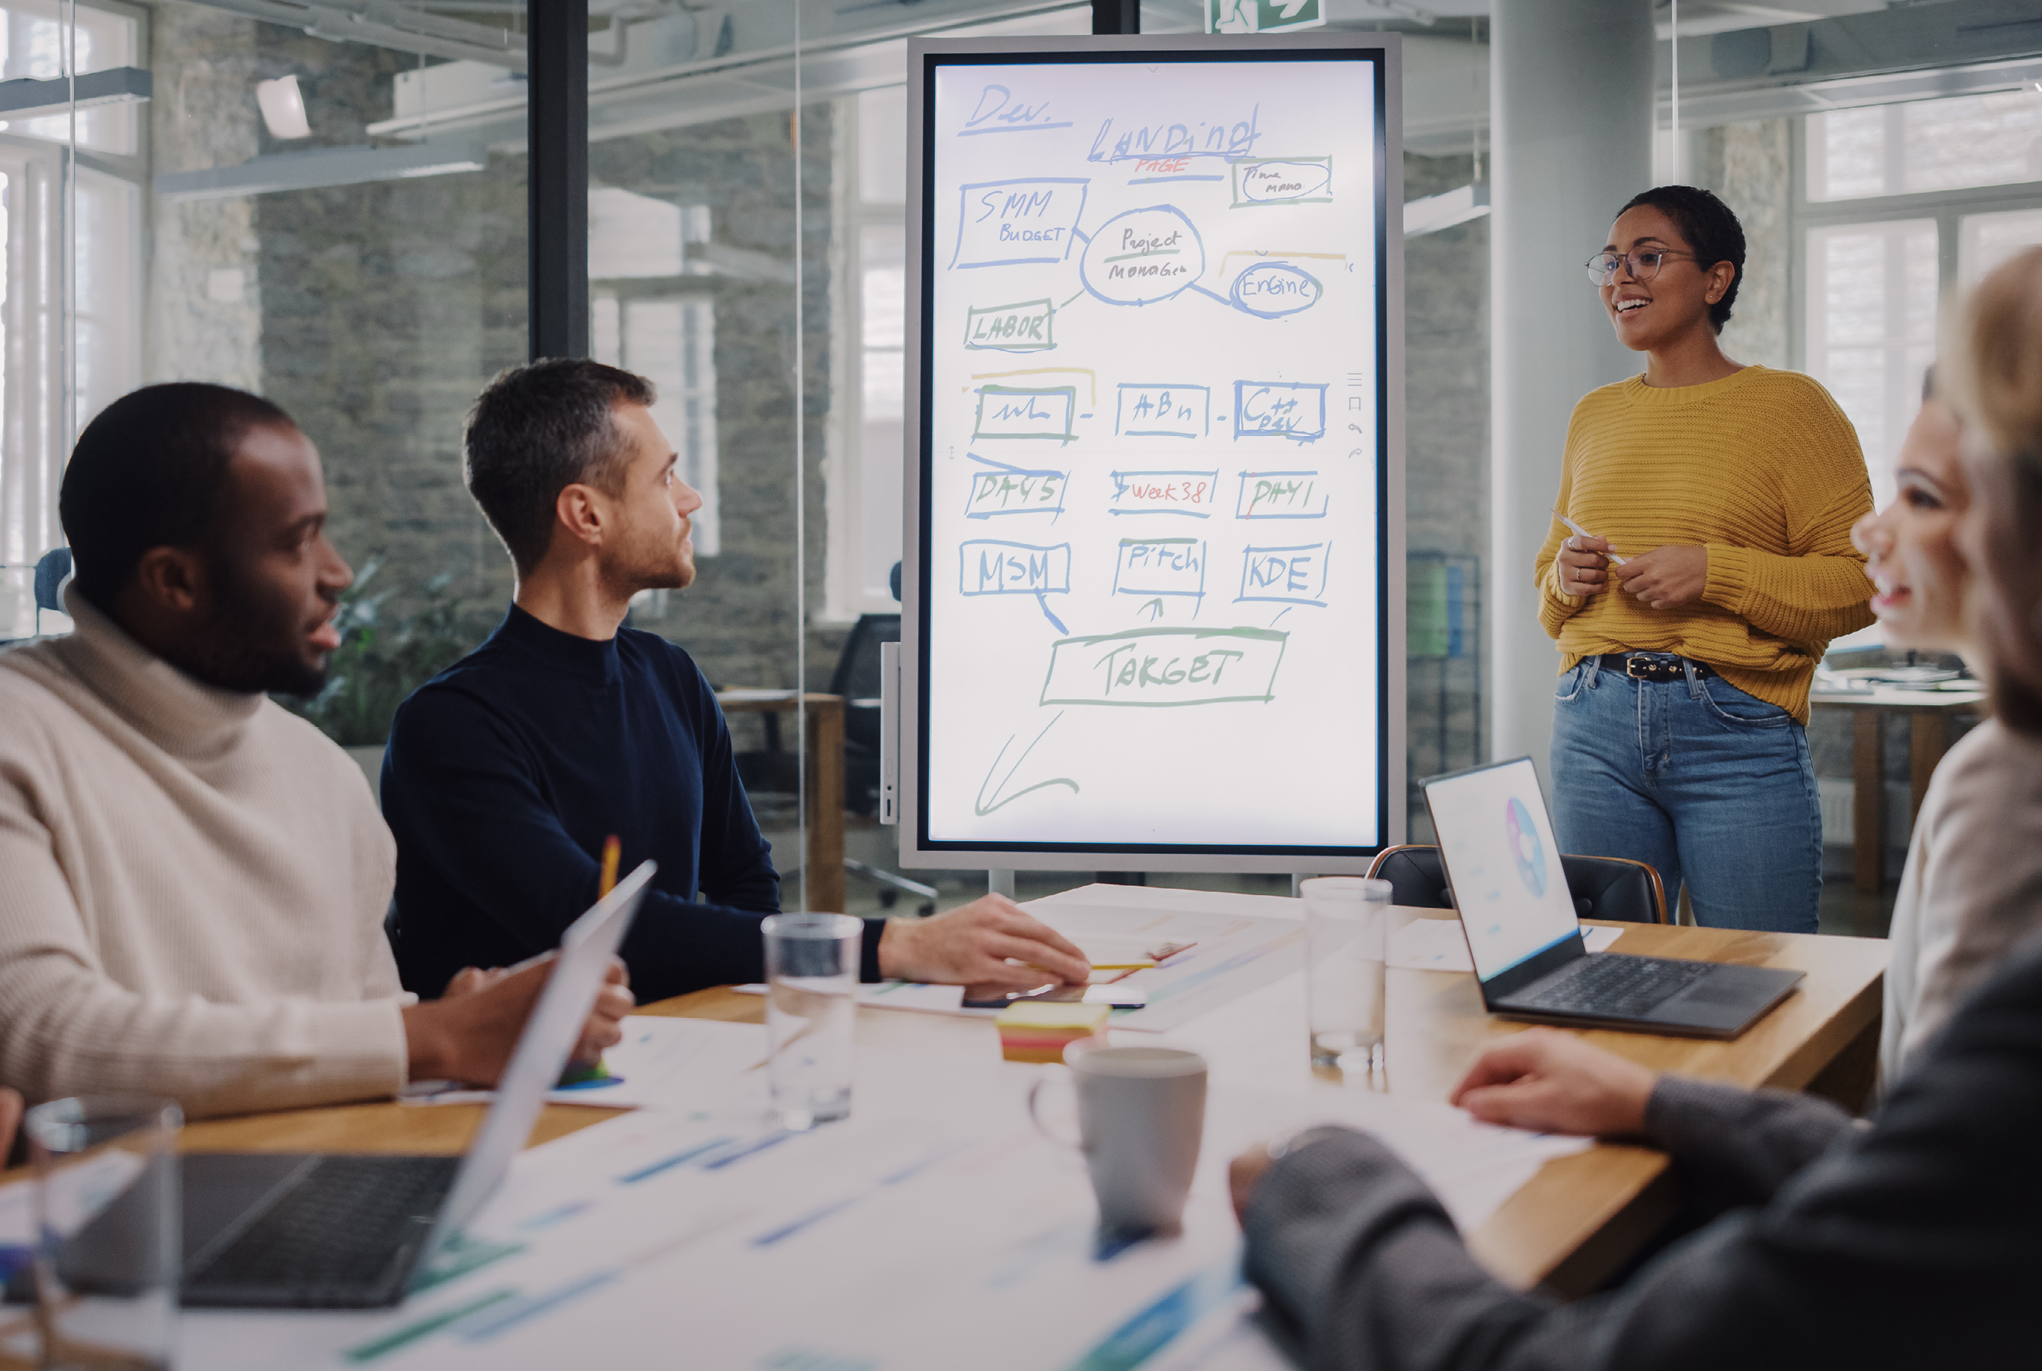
811, 1006
1347, 928
108, 1211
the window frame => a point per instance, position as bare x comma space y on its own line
51, 384
845, 464
1946, 207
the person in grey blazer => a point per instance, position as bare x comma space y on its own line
1916, 1242
1913, 1240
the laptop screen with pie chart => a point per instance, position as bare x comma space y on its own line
1496, 842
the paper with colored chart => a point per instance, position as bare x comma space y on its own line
931, 1229
661, 1061
1232, 943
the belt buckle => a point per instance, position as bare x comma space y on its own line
1637, 668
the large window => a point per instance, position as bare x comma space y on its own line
1872, 325
70, 276
650, 314
871, 299
1901, 206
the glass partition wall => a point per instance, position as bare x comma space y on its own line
335, 216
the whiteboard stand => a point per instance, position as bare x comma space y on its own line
1000, 882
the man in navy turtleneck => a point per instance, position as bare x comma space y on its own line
506, 772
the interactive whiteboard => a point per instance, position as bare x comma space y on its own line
1154, 561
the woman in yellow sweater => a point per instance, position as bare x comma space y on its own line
1721, 499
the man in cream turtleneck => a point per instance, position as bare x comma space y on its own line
193, 880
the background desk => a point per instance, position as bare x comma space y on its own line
1925, 710
1576, 1222
823, 865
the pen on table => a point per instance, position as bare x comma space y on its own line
1614, 559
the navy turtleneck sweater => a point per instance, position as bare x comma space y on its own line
506, 772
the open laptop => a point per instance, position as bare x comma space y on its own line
1503, 866
336, 1231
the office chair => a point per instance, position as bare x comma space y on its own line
1611, 888
46, 579
856, 678
52, 569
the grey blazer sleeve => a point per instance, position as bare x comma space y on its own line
1733, 1146
1909, 1244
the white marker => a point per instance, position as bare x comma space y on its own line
1614, 559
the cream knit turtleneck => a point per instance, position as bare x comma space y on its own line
192, 889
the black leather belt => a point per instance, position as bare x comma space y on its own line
1640, 667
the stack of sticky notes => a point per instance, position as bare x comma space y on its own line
1036, 1031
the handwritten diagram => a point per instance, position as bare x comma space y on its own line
1152, 331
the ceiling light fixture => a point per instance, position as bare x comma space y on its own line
283, 108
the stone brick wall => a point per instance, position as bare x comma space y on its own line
374, 313
386, 307
203, 115
1748, 166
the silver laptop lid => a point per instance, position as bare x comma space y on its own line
542, 1052
1496, 842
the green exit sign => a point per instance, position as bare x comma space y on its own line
1261, 16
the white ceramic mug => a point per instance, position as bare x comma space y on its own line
1141, 1117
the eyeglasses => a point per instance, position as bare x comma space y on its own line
1603, 267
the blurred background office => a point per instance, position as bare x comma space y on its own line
326, 203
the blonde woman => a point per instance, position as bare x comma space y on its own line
1973, 883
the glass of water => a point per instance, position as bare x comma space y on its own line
1347, 935
811, 1002
108, 1251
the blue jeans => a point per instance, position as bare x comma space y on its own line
1706, 783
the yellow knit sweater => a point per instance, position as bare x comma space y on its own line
1763, 470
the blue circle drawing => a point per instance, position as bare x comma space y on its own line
1270, 290
1143, 257
1525, 846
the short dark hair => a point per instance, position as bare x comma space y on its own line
1711, 229
534, 431
150, 471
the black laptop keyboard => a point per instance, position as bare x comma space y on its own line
333, 1238
1614, 987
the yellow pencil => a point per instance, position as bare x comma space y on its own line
612, 851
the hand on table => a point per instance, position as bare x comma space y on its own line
1584, 565
11, 1107
1667, 577
987, 942
468, 1034
1242, 1174
1553, 1082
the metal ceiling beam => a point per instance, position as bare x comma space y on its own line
27, 97
1911, 52
385, 24
315, 168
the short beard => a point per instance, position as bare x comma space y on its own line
646, 574
248, 647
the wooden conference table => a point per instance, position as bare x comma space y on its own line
1578, 1220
